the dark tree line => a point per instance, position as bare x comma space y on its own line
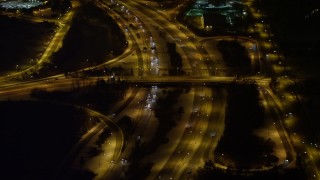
175, 59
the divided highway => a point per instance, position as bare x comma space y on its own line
196, 139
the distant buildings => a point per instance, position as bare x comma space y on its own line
210, 15
20, 4
37, 8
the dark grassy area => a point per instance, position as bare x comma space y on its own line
235, 56
21, 41
238, 147
92, 39
36, 136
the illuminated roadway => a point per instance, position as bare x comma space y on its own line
113, 149
52, 46
187, 151
174, 33
197, 67
189, 148
206, 122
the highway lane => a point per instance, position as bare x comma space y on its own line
119, 143
104, 163
56, 43
206, 136
50, 84
264, 37
113, 148
143, 122
52, 47
64, 83
201, 133
190, 53
67, 83
151, 45
24, 89
192, 44
308, 152
277, 114
164, 152
135, 110
135, 43
138, 33
146, 36
211, 135
198, 41
121, 18
278, 67
191, 138
216, 124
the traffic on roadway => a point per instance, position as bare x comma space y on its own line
202, 103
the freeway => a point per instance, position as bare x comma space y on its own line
191, 139
66, 83
277, 114
277, 66
108, 162
205, 124
52, 46
215, 126
174, 33
78, 151
133, 42
143, 125
214, 102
